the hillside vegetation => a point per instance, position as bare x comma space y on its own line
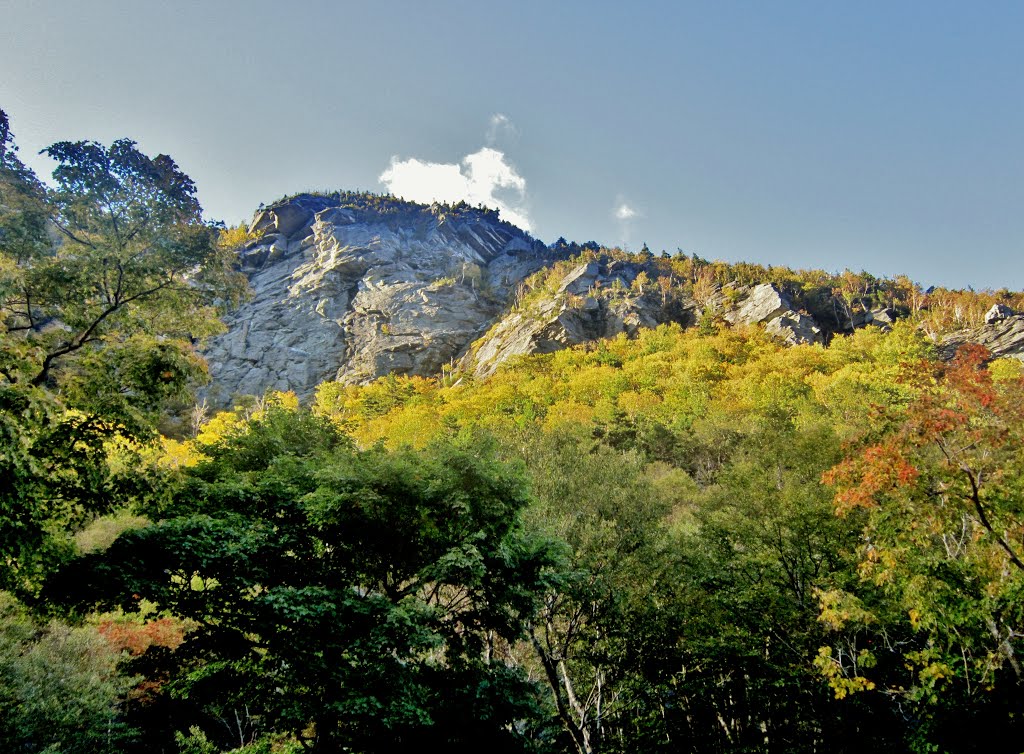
759, 547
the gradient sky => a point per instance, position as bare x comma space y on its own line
884, 136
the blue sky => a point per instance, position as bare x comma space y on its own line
884, 136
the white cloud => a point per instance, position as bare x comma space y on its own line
624, 212
500, 125
484, 177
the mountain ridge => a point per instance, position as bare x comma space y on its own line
354, 286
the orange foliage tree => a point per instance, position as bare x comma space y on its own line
941, 577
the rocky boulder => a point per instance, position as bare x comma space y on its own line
998, 313
580, 280
762, 303
883, 318
794, 328
767, 304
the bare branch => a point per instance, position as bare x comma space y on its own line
86, 336
67, 232
975, 498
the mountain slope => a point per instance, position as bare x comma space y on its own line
354, 286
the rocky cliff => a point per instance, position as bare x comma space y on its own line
604, 297
352, 287
596, 299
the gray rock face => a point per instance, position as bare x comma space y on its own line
794, 328
1003, 337
764, 303
580, 280
596, 300
998, 313
351, 294
883, 318
600, 299
352, 287
767, 304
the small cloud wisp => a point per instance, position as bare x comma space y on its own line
624, 213
500, 127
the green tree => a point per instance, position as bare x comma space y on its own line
736, 629
24, 213
130, 257
105, 281
356, 600
935, 619
599, 502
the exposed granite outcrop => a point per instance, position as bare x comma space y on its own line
1002, 336
767, 304
597, 299
352, 287
347, 293
998, 313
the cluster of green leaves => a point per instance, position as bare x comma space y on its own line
106, 279
120, 257
106, 282
937, 612
675, 578
60, 688
714, 600
665, 380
